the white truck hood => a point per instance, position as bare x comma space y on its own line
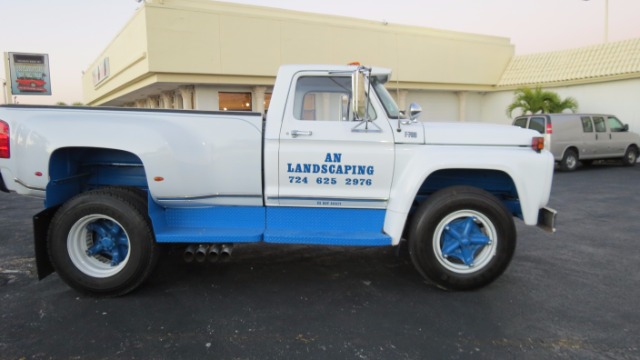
477, 134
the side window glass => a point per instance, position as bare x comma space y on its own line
598, 121
587, 125
522, 122
324, 98
615, 125
537, 124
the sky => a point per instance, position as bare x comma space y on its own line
75, 32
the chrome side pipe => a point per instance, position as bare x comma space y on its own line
225, 252
189, 253
214, 253
201, 252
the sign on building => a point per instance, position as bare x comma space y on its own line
29, 74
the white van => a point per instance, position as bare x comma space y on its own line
584, 137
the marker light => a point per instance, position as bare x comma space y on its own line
5, 152
356, 63
537, 143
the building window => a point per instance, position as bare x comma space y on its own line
231, 101
267, 101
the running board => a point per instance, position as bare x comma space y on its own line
326, 226
284, 225
338, 238
221, 224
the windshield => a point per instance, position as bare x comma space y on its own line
387, 101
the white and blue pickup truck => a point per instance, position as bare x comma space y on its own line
335, 162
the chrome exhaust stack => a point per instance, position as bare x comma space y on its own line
201, 252
225, 252
189, 253
214, 253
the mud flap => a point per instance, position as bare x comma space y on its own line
41, 223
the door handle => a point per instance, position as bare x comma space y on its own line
296, 133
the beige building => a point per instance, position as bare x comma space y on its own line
209, 55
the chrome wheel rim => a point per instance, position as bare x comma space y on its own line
631, 157
571, 162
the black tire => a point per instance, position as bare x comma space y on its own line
630, 156
490, 225
569, 161
76, 229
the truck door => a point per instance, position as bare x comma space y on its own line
601, 145
325, 162
589, 144
620, 138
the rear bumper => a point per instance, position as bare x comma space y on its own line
547, 219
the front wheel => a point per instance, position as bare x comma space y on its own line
462, 238
101, 243
569, 161
630, 156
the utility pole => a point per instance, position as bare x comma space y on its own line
4, 90
606, 20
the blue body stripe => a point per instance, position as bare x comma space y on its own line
284, 225
326, 226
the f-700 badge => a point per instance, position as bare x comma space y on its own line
411, 134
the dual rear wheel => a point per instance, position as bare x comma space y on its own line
101, 242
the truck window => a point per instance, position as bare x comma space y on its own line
587, 125
615, 125
598, 121
522, 122
537, 124
324, 98
387, 101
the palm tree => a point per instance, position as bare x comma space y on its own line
536, 100
568, 103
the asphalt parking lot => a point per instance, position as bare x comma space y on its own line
574, 294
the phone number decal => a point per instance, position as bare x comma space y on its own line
332, 165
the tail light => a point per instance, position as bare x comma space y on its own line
5, 152
549, 129
537, 143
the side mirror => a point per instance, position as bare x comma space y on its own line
414, 111
358, 98
625, 127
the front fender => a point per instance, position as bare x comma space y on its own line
531, 173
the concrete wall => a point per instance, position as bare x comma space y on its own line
205, 37
128, 62
207, 42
